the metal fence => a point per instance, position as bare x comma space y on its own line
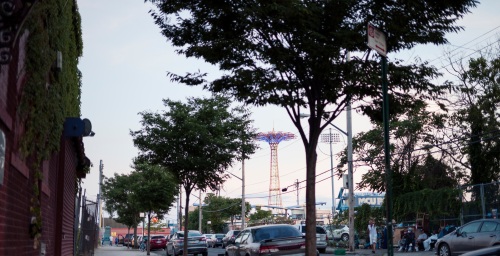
480, 201
88, 234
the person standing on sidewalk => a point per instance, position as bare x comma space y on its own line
372, 232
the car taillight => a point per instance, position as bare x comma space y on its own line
268, 249
203, 239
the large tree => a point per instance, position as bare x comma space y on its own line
155, 188
119, 197
475, 118
293, 53
197, 141
475, 126
415, 169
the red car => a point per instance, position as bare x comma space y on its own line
158, 242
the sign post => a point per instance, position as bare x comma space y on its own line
377, 42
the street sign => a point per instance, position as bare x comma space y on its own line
376, 40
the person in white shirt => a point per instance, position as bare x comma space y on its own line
372, 231
420, 239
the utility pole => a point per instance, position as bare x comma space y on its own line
331, 138
99, 196
297, 189
243, 203
350, 177
179, 216
199, 213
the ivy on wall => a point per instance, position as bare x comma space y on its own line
49, 94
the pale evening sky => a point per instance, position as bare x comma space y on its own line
124, 65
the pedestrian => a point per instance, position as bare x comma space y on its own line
372, 232
117, 240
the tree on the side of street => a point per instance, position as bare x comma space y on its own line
260, 214
475, 119
196, 141
155, 189
475, 124
294, 54
118, 196
413, 136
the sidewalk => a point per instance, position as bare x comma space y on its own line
117, 250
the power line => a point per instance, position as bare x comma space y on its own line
462, 46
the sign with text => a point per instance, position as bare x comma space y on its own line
376, 40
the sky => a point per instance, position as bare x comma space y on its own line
124, 66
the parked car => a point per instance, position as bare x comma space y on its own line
229, 237
210, 239
197, 243
158, 242
488, 251
321, 236
218, 239
275, 239
127, 240
472, 236
139, 239
338, 232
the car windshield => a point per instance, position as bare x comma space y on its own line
275, 232
219, 235
157, 237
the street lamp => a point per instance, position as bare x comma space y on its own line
243, 204
349, 171
199, 211
331, 138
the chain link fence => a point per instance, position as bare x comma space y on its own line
480, 201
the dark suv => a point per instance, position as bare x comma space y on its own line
229, 237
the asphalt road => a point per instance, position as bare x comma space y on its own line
211, 252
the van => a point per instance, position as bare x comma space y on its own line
321, 236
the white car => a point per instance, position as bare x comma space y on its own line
321, 236
338, 233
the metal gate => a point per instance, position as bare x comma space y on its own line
88, 232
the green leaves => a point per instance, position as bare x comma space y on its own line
197, 140
150, 188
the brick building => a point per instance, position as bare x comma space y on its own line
29, 202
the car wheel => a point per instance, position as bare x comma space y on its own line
444, 250
205, 254
166, 250
322, 250
345, 237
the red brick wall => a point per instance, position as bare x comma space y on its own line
57, 188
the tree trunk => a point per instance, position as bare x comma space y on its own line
149, 235
311, 158
186, 212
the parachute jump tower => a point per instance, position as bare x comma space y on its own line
274, 138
